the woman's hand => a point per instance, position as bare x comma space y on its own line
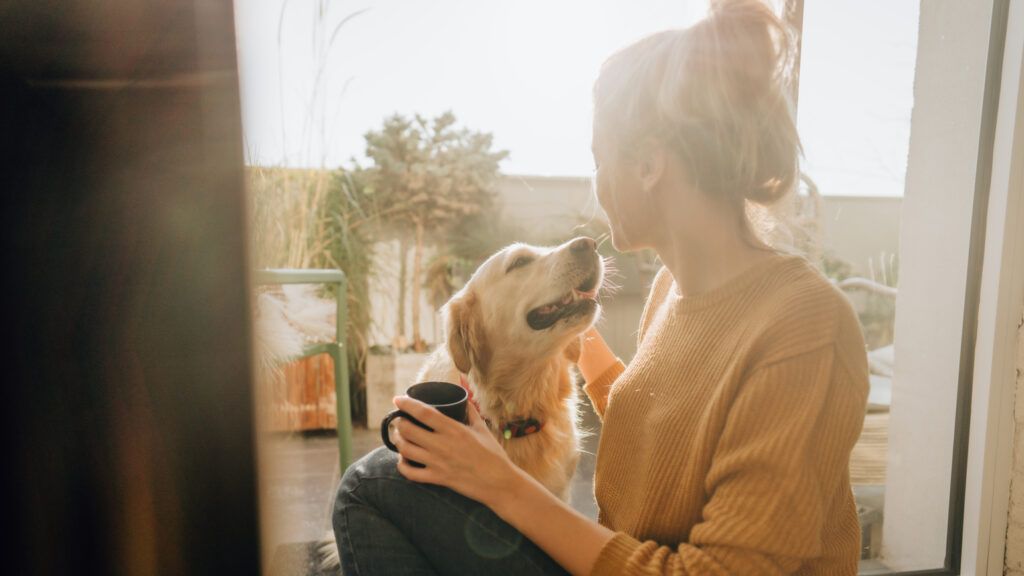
595, 355
466, 458
469, 460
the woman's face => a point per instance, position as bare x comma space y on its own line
620, 193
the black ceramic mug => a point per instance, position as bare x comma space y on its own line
449, 399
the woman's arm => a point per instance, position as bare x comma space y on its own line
599, 367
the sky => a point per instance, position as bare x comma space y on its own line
523, 70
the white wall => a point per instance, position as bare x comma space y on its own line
546, 203
856, 228
862, 230
384, 298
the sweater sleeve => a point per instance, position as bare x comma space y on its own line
781, 462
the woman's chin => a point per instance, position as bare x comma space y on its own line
619, 241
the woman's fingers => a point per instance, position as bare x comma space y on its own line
413, 452
422, 412
413, 473
412, 433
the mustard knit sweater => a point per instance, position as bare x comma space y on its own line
726, 441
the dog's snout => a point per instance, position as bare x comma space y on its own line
583, 245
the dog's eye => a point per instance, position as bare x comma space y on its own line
519, 263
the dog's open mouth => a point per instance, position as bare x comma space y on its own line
579, 301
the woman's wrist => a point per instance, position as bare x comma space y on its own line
512, 494
595, 356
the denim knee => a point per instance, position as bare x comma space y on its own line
380, 463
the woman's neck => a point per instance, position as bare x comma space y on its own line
704, 261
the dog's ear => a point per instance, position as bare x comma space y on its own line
467, 343
572, 351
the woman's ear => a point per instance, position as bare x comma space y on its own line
467, 344
651, 166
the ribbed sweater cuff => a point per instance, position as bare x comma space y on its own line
599, 388
615, 555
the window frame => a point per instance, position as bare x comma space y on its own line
991, 434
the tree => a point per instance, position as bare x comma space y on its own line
427, 175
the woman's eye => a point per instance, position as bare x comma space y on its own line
519, 263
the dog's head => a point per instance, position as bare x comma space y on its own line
526, 302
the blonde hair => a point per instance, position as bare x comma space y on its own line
718, 93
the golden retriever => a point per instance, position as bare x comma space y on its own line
513, 333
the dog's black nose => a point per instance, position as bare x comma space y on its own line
583, 244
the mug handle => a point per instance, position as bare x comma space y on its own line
385, 426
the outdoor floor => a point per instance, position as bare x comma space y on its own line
300, 492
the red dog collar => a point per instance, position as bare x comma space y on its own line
512, 429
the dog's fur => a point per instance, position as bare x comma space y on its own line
514, 331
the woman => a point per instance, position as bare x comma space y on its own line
726, 441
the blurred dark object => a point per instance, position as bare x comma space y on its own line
300, 559
127, 417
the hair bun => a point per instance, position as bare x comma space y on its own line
754, 38
727, 8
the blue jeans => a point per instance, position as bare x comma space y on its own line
385, 524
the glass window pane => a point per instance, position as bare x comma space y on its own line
856, 97
309, 97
